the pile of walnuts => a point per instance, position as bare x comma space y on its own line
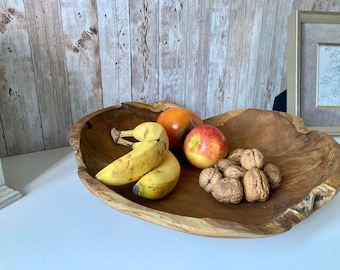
242, 174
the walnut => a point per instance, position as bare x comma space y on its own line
208, 178
252, 158
234, 172
256, 186
235, 156
222, 164
273, 174
228, 190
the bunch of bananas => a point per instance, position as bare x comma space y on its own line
150, 162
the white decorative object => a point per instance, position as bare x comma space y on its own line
7, 194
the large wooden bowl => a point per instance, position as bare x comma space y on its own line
308, 160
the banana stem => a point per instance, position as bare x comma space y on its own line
117, 137
125, 142
126, 133
116, 134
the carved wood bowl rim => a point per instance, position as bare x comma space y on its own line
318, 195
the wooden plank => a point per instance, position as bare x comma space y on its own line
278, 56
234, 60
83, 75
250, 82
218, 79
246, 91
124, 50
197, 56
46, 39
172, 52
265, 50
20, 122
144, 17
108, 44
114, 43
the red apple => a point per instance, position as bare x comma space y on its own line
205, 145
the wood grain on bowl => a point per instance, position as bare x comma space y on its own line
308, 160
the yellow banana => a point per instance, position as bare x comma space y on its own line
140, 160
159, 182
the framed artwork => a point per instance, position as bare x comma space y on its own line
313, 69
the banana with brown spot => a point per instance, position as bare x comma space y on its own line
159, 182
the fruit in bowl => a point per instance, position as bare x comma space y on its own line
205, 145
177, 122
149, 162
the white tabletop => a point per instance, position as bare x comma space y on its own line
59, 224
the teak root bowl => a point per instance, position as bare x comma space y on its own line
308, 160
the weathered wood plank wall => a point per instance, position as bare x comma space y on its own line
60, 60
